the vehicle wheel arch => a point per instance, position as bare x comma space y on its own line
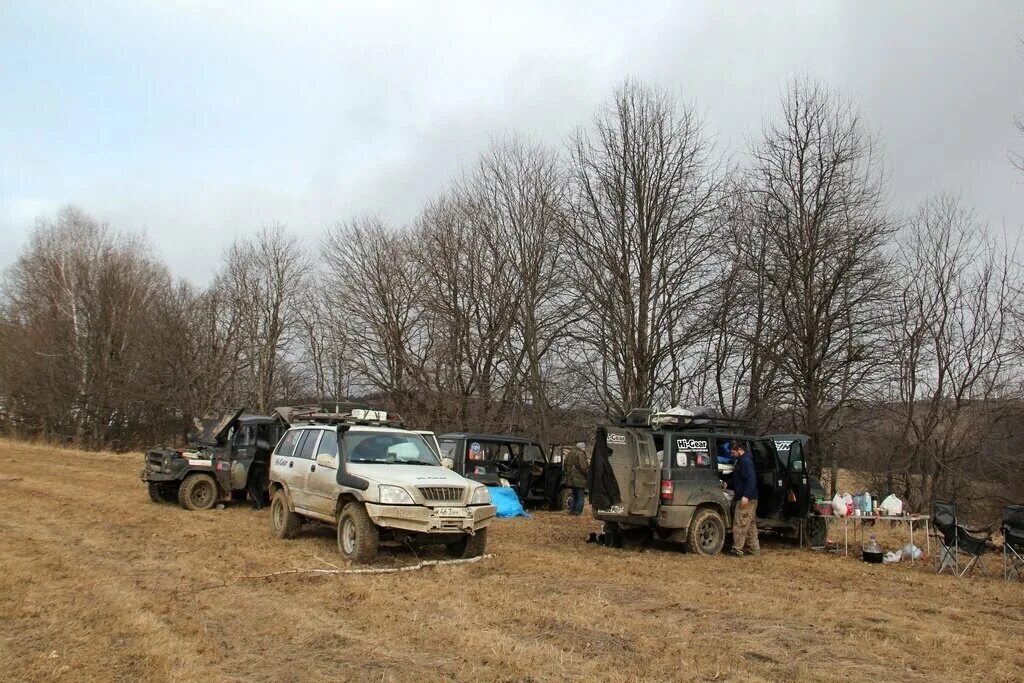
344, 499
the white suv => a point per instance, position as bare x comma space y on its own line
384, 485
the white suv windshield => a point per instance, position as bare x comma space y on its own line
383, 447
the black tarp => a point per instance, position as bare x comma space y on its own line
604, 489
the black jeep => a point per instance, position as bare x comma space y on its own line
226, 456
537, 477
663, 474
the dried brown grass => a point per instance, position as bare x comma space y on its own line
97, 583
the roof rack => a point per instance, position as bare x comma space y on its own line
356, 417
683, 418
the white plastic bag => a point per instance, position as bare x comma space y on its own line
893, 505
895, 556
839, 508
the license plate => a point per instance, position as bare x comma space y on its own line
451, 512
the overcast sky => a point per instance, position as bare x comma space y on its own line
197, 122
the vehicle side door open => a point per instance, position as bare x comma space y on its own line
770, 478
798, 494
647, 472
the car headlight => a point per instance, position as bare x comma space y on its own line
480, 496
394, 495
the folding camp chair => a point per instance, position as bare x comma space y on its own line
1013, 541
956, 539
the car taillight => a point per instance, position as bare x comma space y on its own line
666, 489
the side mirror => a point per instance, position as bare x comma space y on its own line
448, 463
325, 460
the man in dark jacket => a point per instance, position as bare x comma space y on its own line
744, 518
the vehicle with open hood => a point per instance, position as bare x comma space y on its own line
223, 452
377, 483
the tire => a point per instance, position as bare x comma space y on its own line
816, 531
162, 492
469, 546
706, 534
563, 500
358, 538
613, 535
283, 522
198, 492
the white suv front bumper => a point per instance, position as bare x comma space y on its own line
443, 519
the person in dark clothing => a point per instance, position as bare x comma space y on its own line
257, 484
744, 519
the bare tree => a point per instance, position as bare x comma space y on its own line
816, 199
645, 190
265, 279
375, 285
80, 310
471, 299
520, 192
954, 364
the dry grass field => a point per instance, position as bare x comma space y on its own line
97, 583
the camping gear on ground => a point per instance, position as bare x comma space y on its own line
872, 552
892, 557
957, 539
507, 502
1013, 541
892, 505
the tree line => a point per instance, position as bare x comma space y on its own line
547, 288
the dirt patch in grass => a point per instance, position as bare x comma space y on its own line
98, 583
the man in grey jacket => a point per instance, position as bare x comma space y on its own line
576, 465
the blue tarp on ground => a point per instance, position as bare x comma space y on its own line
507, 502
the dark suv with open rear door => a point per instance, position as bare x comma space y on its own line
668, 474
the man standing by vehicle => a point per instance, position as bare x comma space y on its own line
744, 519
576, 465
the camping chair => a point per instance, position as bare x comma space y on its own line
1013, 541
955, 539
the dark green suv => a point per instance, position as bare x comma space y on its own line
665, 475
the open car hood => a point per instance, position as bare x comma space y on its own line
213, 427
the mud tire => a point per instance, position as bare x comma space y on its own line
816, 531
613, 536
563, 499
706, 534
198, 492
358, 538
161, 492
283, 522
469, 546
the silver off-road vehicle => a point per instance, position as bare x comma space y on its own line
377, 483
